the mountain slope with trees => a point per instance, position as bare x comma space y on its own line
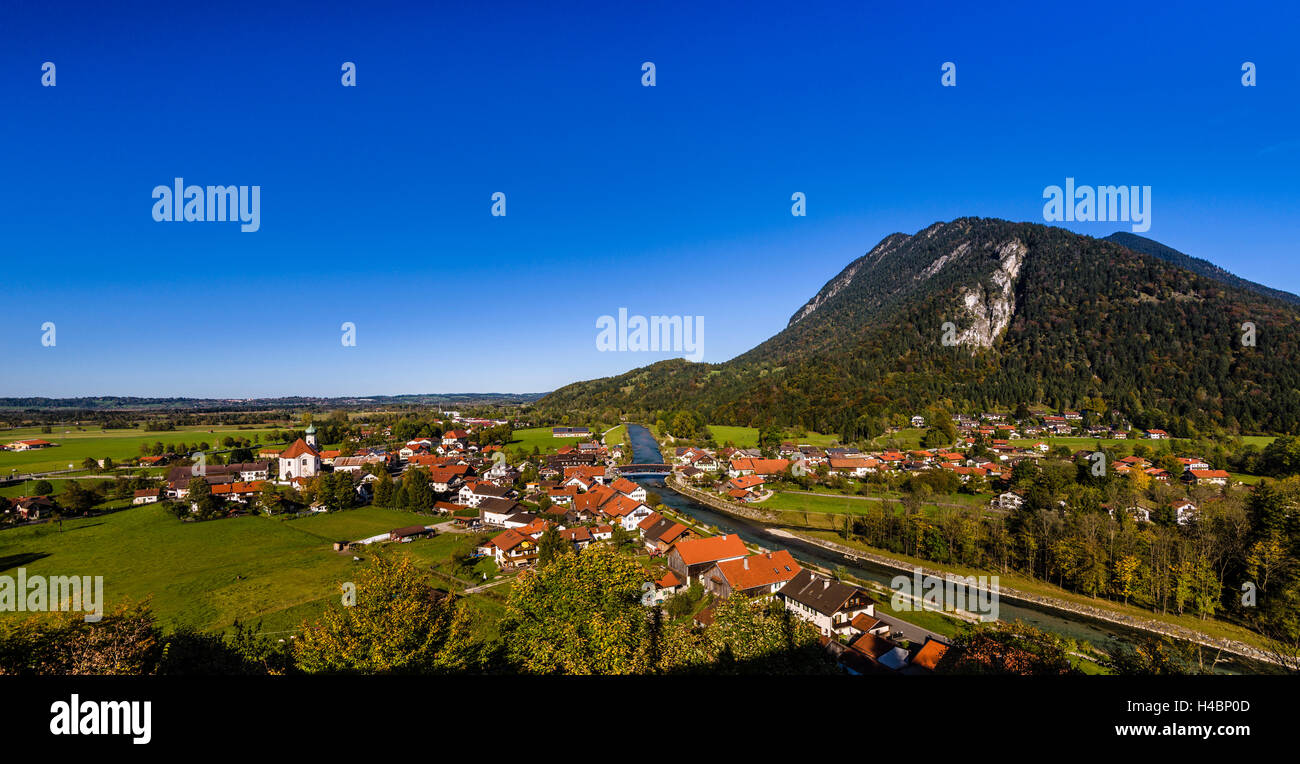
983, 313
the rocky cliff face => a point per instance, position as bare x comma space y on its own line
989, 309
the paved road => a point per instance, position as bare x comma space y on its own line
489, 585
900, 629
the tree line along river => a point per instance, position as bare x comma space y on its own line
1102, 634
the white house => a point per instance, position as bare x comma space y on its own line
1009, 500
829, 605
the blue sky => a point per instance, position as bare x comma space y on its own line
671, 200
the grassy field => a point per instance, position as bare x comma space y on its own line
740, 437
805, 502
908, 437
210, 574
541, 438
617, 436
747, 437
800, 502
75, 445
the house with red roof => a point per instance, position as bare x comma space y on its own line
29, 445
761, 467
666, 586
745, 482
510, 549
690, 558
629, 488
660, 533
754, 576
1207, 477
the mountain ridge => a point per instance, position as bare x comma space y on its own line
1040, 315
1196, 264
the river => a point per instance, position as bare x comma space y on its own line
1101, 634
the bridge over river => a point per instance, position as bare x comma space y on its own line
644, 470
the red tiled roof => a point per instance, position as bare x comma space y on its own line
761, 466
620, 506
509, 539
929, 654
711, 549
745, 482
239, 487
863, 622
298, 448
623, 485
668, 580
589, 471
759, 570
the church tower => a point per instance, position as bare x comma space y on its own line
311, 436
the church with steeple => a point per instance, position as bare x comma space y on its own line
302, 459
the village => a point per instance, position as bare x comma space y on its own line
982, 459
574, 494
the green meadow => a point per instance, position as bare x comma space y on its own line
75, 445
541, 439
209, 574
785, 501
907, 437
617, 436
747, 437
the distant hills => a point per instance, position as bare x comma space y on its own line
1196, 265
1035, 315
120, 403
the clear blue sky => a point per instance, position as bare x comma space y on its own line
666, 200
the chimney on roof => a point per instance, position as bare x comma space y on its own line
746, 561
826, 584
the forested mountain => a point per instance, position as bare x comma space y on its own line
1037, 315
1196, 265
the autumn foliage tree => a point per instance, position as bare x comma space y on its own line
397, 623
123, 642
581, 614
1006, 648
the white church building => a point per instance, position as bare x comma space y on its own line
302, 459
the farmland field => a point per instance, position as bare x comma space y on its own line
617, 436
75, 445
741, 437
209, 574
541, 439
804, 502
747, 437
908, 437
